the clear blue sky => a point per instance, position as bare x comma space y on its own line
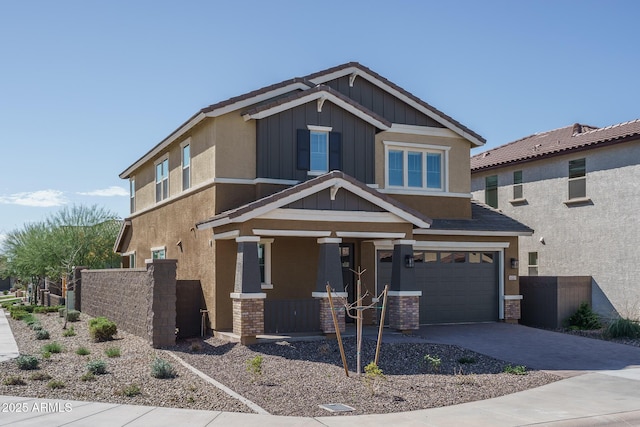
87, 87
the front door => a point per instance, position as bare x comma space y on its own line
347, 260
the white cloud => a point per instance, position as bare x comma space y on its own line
40, 199
107, 192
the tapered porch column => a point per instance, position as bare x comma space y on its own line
330, 272
248, 299
404, 299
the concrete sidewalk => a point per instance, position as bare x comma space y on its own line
8, 346
603, 398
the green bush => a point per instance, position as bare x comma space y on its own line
40, 376
73, 315
112, 352
97, 367
584, 318
102, 329
434, 362
18, 314
516, 370
69, 332
623, 328
13, 380
160, 368
42, 334
53, 347
254, 365
82, 351
27, 362
88, 376
467, 360
130, 390
30, 319
62, 311
54, 384
36, 327
40, 309
5, 292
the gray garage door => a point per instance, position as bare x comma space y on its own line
456, 287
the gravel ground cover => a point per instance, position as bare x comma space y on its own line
285, 378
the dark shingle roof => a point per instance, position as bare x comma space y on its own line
483, 218
553, 142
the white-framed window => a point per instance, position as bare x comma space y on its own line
517, 185
159, 253
491, 191
318, 149
577, 178
132, 195
264, 260
162, 179
533, 263
186, 165
129, 260
416, 166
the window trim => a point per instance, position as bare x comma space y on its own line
161, 160
325, 130
424, 149
132, 194
267, 284
183, 145
576, 179
486, 190
159, 249
530, 265
132, 257
518, 183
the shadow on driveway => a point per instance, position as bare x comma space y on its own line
535, 348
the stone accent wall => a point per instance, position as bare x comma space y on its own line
326, 319
512, 310
140, 301
404, 312
248, 318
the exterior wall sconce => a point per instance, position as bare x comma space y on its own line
409, 262
514, 263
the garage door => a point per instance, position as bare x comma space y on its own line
456, 287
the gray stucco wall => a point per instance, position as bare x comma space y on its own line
597, 239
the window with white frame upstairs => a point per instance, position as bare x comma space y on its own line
414, 167
186, 166
162, 180
577, 178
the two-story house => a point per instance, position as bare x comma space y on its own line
578, 187
267, 197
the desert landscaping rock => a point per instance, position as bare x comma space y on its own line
295, 378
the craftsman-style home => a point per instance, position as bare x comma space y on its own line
267, 197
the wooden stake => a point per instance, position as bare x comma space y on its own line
335, 325
384, 308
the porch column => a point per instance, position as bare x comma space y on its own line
330, 272
248, 300
404, 299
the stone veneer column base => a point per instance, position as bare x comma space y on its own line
248, 316
511, 310
404, 310
326, 319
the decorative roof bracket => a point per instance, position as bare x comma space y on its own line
321, 103
352, 78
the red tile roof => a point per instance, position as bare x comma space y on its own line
554, 142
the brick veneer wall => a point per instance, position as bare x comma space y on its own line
140, 301
248, 317
404, 312
326, 318
512, 311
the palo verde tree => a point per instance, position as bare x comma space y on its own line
74, 236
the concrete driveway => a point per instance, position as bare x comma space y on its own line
536, 348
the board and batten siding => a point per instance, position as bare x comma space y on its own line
277, 134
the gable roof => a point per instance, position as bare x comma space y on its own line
334, 180
554, 142
248, 99
319, 93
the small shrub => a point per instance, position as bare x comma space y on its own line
88, 376
97, 367
130, 390
5, 292
584, 318
254, 365
623, 328
27, 362
516, 370
36, 327
69, 332
373, 376
40, 309
46, 354
466, 360
40, 376
62, 311
102, 329
53, 347
82, 351
73, 315
30, 319
160, 368
55, 384
112, 352
13, 380
434, 362
42, 334
18, 314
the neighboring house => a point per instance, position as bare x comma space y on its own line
267, 197
578, 187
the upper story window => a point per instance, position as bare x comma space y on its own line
491, 191
158, 253
517, 185
162, 180
533, 263
577, 178
132, 195
414, 167
186, 166
319, 150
